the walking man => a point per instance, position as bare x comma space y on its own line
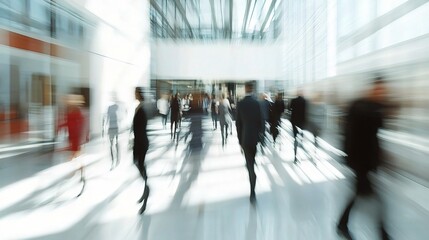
364, 118
249, 129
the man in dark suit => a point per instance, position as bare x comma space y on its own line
298, 108
249, 129
364, 118
141, 144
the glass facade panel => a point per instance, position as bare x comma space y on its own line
223, 19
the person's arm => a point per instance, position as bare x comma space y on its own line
238, 123
103, 125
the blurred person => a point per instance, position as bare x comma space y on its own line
174, 114
278, 107
266, 104
214, 110
77, 131
185, 105
232, 111
112, 121
141, 144
75, 123
298, 109
225, 120
316, 119
162, 105
191, 98
206, 103
249, 126
364, 119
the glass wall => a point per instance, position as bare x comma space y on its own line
210, 20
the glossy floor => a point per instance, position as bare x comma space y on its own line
200, 190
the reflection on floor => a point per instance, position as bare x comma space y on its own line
200, 190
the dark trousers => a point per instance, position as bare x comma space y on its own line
139, 161
249, 154
173, 121
164, 120
214, 119
224, 132
274, 131
363, 188
296, 131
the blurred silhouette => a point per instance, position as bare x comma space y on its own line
75, 124
316, 115
141, 144
214, 109
276, 111
112, 119
185, 106
224, 118
206, 103
174, 114
232, 110
298, 108
162, 105
266, 104
77, 131
364, 119
249, 126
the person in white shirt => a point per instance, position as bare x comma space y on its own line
163, 108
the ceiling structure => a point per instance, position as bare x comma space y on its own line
216, 19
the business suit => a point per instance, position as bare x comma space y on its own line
249, 127
298, 108
141, 145
361, 145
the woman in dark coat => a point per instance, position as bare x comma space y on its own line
141, 144
175, 114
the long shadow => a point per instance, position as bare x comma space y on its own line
195, 153
87, 219
55, 187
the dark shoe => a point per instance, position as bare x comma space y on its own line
252, 199
252, 195
143, 208
384, 235
343, 231
141, 198
145, 195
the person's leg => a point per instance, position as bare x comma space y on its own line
142, 169
111, 139
362, 186
249, 154
118, 156
342, 227
316, 146
213, 120
163, 120
171, 128
382, 216
222, 133
295, 142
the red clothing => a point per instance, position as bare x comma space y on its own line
75, 127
